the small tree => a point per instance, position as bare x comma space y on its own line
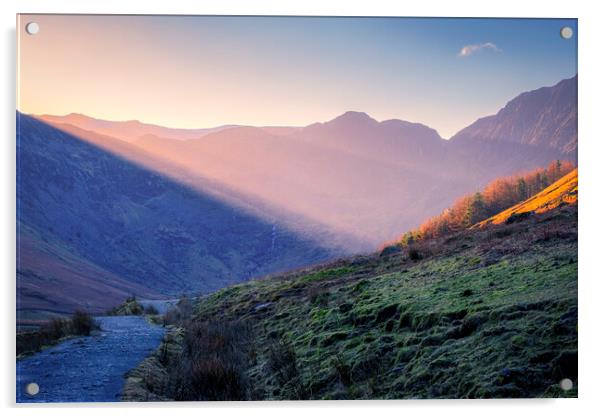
475, 211
558, 170
522, 189
407, 238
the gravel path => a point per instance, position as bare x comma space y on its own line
89, 369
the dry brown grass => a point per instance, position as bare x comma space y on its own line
81, 323
213, 363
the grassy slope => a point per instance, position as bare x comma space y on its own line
563, 191
485, 313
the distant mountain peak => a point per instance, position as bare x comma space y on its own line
67, 117
354, 117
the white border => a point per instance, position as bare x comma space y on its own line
590, 289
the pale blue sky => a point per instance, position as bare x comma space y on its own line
206, 71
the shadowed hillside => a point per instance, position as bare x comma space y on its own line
90, 209
52, 278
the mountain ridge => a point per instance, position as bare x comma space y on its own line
546, 116
566, 87
369, 179
128, 130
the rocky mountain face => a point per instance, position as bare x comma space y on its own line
545, 118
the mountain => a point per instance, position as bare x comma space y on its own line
359, 177
396, 142
88, 208
356, 132
172, 210
562, 192
544, 118
127, 130
367, 178
363, 180
161, 155
356, 197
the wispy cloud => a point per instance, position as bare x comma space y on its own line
470, 49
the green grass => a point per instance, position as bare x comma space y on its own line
489, 313
325, 274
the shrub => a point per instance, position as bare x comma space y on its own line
213, 363
521, 216
282, 364
130, 306
343, 371
414, 254
180, 312
33, 341
151, 310
318, 295
390, 250
56, 328
136, 309
81, 323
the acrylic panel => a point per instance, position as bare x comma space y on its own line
295, 208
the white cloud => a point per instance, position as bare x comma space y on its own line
470, 49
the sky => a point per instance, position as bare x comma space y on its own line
201, 71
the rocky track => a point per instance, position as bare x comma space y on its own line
89, 369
